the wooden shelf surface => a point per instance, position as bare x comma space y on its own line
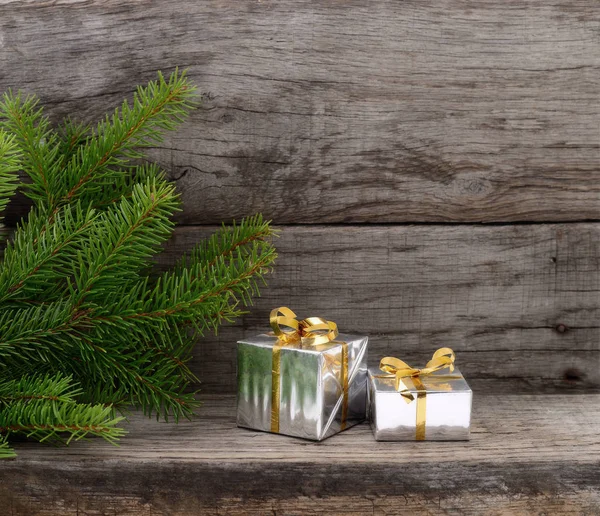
528, 454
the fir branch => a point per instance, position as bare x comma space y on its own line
44, 407
9, 164
224, 242
125, 237
58, 387
153, 381
37, 261
42, 334
105, 157
150, 374
194, 295
76, 303
21, 116
146, 369
72, 135
124, 188
48, 420
210, 281
6, 452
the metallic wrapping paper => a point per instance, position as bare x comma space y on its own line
447, 408
311, 394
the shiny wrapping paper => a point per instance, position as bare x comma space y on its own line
311, 390
442, 399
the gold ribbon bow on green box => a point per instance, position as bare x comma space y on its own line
312, 331
397, 369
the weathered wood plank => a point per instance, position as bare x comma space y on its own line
519, 303
323, 111
523, 458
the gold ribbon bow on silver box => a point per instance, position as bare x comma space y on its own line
397, 369
312, 331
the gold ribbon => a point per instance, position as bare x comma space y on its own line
395, 368
312, 331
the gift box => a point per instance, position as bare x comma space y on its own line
407, 404
308, 382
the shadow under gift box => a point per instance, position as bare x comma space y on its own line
310, 386
447, 400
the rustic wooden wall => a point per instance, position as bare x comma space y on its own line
348, 122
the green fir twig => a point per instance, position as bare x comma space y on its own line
86, 328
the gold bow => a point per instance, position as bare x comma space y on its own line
308, 331
312, 331
395, 368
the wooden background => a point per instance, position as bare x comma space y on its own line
433, 166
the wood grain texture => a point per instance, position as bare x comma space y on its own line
524, 458
328, 111
519, 303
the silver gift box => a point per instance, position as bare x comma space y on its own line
447, 409
311, 391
